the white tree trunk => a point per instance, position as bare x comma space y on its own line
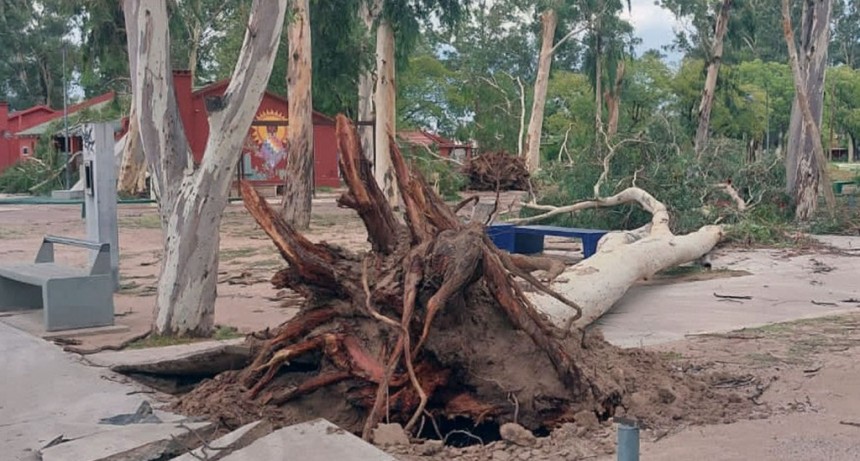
192, 201
299, 183
548, 21
708, 91
132, 172
366, 79
385, 111
806, 163
622, 259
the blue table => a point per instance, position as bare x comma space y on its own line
529, 239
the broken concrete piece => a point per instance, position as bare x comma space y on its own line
517, 435
197, 359
234, 441
317, 440
386, 435
143, 414
137, 442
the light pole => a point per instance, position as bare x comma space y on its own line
66, 124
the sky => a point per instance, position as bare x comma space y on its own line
654, 25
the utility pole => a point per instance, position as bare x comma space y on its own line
66, 124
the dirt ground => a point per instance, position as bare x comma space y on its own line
801, 374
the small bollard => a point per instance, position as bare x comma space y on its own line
628, 439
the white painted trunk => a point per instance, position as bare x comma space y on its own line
549, 21
623, 258
385, 111
299, 182
193, 201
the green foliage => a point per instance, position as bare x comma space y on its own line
21, 177
444, 175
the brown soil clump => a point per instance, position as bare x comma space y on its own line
430, 328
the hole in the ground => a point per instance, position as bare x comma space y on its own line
461, 431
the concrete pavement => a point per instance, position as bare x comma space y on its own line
46, 393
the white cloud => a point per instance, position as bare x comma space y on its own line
653, 24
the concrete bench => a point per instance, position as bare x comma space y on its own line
71, 297
529, 239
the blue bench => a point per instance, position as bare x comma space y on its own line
529, 239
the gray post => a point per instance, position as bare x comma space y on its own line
628, 440
100, 196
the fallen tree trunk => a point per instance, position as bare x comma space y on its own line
429, 325
622, 259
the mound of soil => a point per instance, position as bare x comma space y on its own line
430, 330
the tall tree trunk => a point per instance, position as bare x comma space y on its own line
548, 22
132, 172
384, 99
716, 59
192, 202
299, 185
194, 51
598, 85
613, 101
806, 163
367, 12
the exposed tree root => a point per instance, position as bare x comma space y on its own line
430, 322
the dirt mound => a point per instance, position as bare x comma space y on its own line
430, 330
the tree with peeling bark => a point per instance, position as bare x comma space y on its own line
402, 17
711, 23
299, 180
806, 163
430, 323
192, 200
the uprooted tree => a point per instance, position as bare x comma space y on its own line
431, 323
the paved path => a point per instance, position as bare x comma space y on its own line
45, 393
782, 287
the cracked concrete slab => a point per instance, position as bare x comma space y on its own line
317, 440
136, 442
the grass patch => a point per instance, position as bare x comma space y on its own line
7, 233
148, 221
221, 333
235, 253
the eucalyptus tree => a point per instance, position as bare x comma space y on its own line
32, 56
192, 200
710, 20
806, 164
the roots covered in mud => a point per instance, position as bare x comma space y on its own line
432, 325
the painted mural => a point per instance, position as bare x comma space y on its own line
265, 156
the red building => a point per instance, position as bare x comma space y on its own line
264, 158
20, 130
446, 147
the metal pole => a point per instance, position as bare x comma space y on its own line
628, 440
66, 125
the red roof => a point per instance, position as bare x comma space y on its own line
424, 138
24, 119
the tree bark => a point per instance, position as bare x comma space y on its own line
806, 163
597, 283
132, 173
299, 185
716, 59
384, 100
613, 101
549, 22
368, 11
192, 201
